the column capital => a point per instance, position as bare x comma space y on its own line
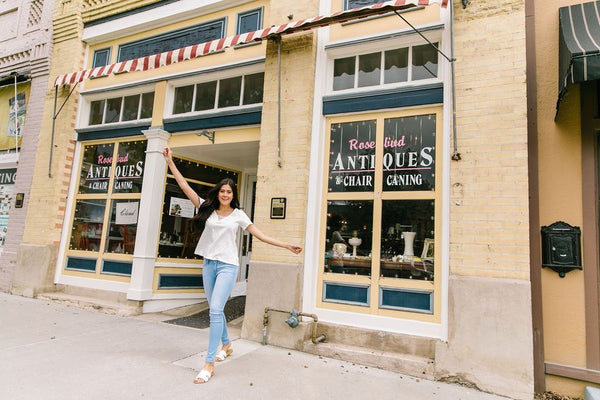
156, 133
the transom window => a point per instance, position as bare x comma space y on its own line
381, 214
249, 21
121, 109
173, 40
222, 93
101, 57
386, 67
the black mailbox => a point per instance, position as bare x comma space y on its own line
561, 247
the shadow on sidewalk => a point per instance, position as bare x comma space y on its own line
234, 309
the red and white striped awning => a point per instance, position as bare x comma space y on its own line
202, 49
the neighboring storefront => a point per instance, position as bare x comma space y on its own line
339, 131
566, 121
25, 44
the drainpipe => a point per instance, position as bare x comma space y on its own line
278, 39
455, 154
293, 322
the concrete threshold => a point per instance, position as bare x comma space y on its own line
127, 309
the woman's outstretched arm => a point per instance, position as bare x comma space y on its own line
189, 192
254, 231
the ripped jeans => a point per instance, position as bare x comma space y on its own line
219, 279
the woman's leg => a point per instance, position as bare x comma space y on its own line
220, 292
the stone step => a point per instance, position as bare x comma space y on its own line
124, 309
420, 367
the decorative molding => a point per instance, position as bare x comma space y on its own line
97, 9
36, 9
67, 27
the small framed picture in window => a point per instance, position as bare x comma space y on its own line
278, 207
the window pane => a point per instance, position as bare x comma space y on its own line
424, 62
409, 153
101, 57
147, 105
201, 172
407, 233
113, 110
343, 73
248, 22
122, 226
349, 4
179, 233
352, 157
349, 224
183, 99
95, 168
229, 92
96, 112
87, 225
129, 170
396, 66
369, 69
205, 96
253, 88
131, 105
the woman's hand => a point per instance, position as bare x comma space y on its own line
167, 154
294, 248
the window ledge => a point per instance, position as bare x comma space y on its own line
381, 91
116, 125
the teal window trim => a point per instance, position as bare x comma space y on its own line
406, 291
348, 285
98, 53
258, 12
165, 279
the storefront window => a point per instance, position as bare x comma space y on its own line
106, 207
381, 203
121, 109
180, 230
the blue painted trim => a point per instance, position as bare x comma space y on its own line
116, 268
367, 102
172, 281
213, 121
414, 300
345, 293
81, 264
111, 133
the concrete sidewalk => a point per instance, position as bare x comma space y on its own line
54, 351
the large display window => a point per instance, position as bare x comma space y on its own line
105, 211
180, 230
381, 214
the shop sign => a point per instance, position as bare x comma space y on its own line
8, 176
408, 155
126, 213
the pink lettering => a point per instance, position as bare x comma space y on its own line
387, 142
104, 160
356, 145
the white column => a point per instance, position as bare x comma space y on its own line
151, 202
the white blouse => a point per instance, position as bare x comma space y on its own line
218, 240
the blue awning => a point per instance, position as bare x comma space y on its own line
579, 45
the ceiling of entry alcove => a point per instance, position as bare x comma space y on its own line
239, 156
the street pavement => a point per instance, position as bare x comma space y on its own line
51, 350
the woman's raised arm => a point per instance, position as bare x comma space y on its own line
254, 231
189, 192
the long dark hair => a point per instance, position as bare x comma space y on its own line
211, 203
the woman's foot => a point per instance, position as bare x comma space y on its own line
225, 352
207, 372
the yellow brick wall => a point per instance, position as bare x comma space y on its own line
291, 180
489, 231
49, 193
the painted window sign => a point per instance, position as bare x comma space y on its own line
409, 153
408, 162
99, 165
17, 115
352, 157
8, 176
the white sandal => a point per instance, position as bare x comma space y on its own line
223, 354
203, 376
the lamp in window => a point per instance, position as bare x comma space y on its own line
207, 134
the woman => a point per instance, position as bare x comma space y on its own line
222, 217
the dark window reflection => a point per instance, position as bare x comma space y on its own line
349, 237
407, 237
183, 99
424, 62
96, 168
229, 92
206, 93
343, 73
129, 169
369, 69
396, 66
86, 233
122, 226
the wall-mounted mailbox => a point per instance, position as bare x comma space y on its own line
561, 247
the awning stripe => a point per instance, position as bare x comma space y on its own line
198, 50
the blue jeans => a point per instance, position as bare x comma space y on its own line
219, 279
